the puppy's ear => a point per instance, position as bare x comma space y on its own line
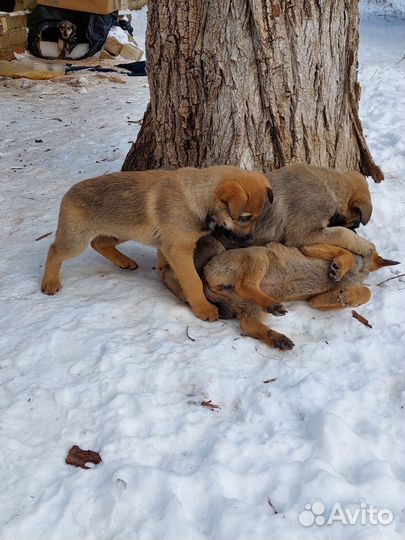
234, 197
362, 206
378, 262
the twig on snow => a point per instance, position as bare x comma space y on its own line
188, 335
268, 357
271, 505
399, 61
43, 236
360, 318
389, 279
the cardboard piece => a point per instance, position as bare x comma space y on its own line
13, 33
101, 7
25, 4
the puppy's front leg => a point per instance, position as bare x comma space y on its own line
341, 259
344, 238
251, 325
180, 258
248, 287
168, 277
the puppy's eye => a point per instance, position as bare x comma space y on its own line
244, 218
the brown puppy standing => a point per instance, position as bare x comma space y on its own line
166, 209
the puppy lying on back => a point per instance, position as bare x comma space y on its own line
166, 209
241, 282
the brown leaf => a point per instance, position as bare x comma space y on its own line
78, 457
209, 405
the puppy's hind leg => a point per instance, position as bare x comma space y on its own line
248, 287
341, 260
71, 239
340, 298
251, 325
105, 245
168, 277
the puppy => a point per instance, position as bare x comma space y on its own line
170, 210
67, 42
315, 205
241, 281
311, 205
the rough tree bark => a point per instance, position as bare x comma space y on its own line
253, 83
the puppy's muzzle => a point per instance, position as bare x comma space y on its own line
355, 226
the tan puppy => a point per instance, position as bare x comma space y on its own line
315, 205
243, 281
166, 209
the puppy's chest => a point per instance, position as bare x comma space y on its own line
273, 285
146, 233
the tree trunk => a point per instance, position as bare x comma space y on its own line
253, 83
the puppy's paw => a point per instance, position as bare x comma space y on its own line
364, 247
334, 271
124, 262
278, 310
206, 312
129, 266
279, 341
50, 287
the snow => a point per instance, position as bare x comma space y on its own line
138, 22
385, 8
106, 364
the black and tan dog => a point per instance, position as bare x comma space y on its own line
68, 38
166, 209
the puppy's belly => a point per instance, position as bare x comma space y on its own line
272, 288
144, 234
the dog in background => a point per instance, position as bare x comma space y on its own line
68, 39
170, 210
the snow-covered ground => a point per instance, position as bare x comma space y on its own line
107, 363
